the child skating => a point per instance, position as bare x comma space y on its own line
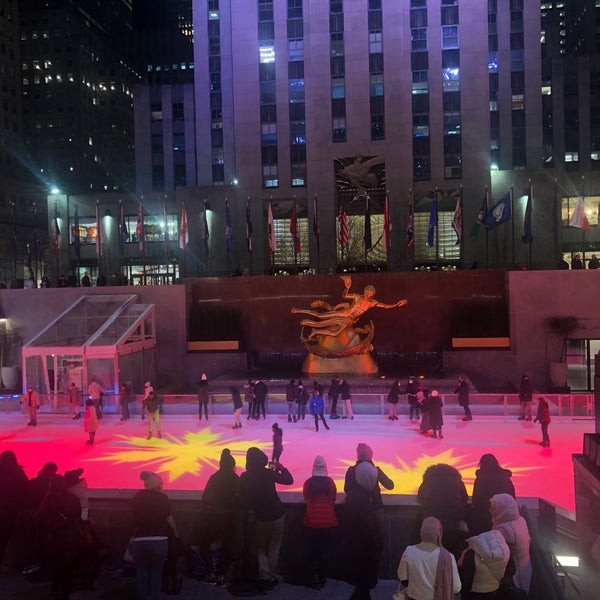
543, 418
90, 421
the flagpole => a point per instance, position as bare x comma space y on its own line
317, 231
512, 215
227, 241
555, 222
487, 239
295, 218
582, 229
57, 254
461, 241
530, 253
437, 236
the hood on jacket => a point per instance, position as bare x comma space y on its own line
491, 547
255, 459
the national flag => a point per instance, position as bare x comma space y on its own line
248, 228
480, 217
433, 221
228, 233
294, 230
166, 225
76, 238
205, 231
98, 232
579, 218
457, 220
139, 230
56, 233
527, 229
367, 232
14, 230
598, 215
271, 230
316, 226
343, 227
387, 226
184, 236
410, 239
124, 230
500, 212
37, 244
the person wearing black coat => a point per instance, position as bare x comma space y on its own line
490, 479
220, 503
443, 495
258, 494
463, 397
12, 498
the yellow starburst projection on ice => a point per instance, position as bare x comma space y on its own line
408, 477
177, 457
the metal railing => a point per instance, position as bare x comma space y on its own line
568, 406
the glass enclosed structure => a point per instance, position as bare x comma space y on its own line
110, 338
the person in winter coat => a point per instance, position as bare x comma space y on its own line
317, 408
346, 399
154, 525
277, 442
260, 390
525, 398
258, 494
363, 521
482, 566
13, 496
203, 392
490, 479
320, 520
151, 405
238, 405
301, 401
436, 419
290, 398
412, 389
507, 520
31, 399
333, 393
90, 421
543, 418
220, 503
392, 399
443, 495
58, 524
427, 568
463, 397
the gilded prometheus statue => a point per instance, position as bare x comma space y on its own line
335, 332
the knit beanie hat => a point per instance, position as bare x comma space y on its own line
319, 467
150, 479
227, 461
364, 452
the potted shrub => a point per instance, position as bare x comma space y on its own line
559, 330
10, 359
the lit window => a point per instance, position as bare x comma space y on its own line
571, 157
267, 53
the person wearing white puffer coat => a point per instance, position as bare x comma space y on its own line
507, 520
482, 565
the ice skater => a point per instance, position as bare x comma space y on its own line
317, 408
543, 418
277, 443
90, 421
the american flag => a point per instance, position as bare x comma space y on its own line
343, 227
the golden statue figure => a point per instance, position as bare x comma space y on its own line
335, 333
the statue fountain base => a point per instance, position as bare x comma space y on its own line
344, 353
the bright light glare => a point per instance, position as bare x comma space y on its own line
568, 561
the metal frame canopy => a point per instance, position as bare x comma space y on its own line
88, 341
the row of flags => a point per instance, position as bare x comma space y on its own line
488, 217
